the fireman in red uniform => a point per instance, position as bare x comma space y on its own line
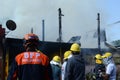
30, 65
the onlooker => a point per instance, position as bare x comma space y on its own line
67, 55
56, 67
31, 64
75, 68
110, 73
99, 67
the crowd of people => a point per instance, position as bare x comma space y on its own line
35, 65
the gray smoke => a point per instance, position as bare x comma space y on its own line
79, 18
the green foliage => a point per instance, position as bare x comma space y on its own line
90, 76
116, 43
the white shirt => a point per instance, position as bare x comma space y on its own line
63, 69
111, 70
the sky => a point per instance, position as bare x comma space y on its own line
80, 18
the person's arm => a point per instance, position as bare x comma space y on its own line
50, 74
13, 71
68, 71
106, 76
59, 72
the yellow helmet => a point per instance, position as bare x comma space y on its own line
107, 58
57, 59
75, 47
98, 56
107, 54
98, 59
66, 54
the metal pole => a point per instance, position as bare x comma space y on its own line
60, 29
31, 30
99, 45
43, 28
60, 26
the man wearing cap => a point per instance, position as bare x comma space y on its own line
110, 73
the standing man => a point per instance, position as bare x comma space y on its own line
110, 73
75, 68
31, 64
99, 67
67, 55
56, 67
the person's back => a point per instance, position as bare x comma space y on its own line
56, 72
75, 68
56, 67
67, 55
30, 65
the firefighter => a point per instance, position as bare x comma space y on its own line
67, 55
75, 68
99, 67
56, 67
110, 73
31, 64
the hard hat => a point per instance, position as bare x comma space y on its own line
98, 59
75, 47
30, 40
67, 54
57, 59
107, 58
31, 36
98, 56
107, 54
